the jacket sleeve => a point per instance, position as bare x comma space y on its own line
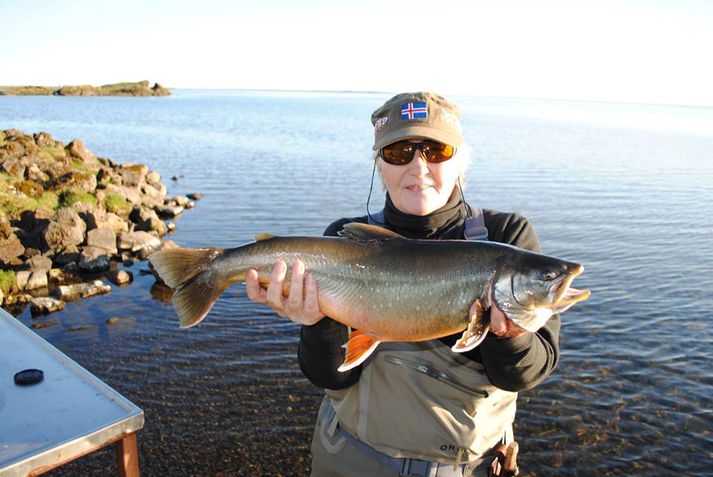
320, 349
518, 364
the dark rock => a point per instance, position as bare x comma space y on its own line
139, 241
195, 196
85, 181
152, 195
133, 174
153, 178
180, 200
76, 148
102, 238
131, 195
21, 279
45, 305
40, 263
44, 139
82, 290
147, 220
37, 281
31, 252
119, 277
161, 292
10, 248
43, 324
66, 230
168, 211
14, 167
93, 260
69, 256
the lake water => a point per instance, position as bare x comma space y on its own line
624, 189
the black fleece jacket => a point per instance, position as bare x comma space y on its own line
512, 364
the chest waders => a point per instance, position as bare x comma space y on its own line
417, 409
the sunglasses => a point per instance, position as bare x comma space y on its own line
401, 153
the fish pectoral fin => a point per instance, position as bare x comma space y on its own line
476, 331
366, 232
359, 347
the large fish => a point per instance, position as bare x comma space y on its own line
384, 286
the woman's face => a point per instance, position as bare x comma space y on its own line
420, 187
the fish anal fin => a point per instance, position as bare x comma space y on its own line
476, 331
366, 232
359, 347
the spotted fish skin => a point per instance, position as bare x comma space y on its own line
387, 287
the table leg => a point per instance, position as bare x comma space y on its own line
127, 456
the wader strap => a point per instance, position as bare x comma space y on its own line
474, 225
404, 466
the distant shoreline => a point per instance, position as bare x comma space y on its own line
139, 88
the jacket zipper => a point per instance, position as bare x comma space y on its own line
433, 373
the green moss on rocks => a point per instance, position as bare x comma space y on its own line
7, 281
69, 197
117, 204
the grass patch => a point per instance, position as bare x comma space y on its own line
78, 165
12, 205
51, 154
7, 281
49, 200
117, 204
69, 197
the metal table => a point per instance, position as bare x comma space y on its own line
69, 414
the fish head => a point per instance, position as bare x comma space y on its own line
530, 290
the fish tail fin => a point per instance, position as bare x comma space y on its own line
197, 284
478, 328
359, 347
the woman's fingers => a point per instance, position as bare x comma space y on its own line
273, 297
498, 321
301, 304
502, 327
295, 301
255, 291
311, 301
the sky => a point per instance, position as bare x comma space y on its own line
641, 51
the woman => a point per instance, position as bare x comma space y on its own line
416, 408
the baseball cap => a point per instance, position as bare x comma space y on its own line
420, 114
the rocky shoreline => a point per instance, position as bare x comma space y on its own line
69, 219
139, 88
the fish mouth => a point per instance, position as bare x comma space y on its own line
566, 296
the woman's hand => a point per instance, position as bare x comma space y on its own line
501, 326
301, 306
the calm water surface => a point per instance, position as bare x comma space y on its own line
624, 189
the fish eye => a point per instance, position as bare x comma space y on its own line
548, 275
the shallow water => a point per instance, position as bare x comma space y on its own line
623, 189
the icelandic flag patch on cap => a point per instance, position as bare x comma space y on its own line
414, 110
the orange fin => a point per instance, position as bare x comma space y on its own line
476, 331
359, 347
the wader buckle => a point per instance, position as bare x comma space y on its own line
505, 463
415, 467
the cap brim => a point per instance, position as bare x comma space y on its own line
446, 137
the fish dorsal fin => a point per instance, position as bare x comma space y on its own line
366, 232
260, 237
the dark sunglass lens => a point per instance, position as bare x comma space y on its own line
398, 153
437, 151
